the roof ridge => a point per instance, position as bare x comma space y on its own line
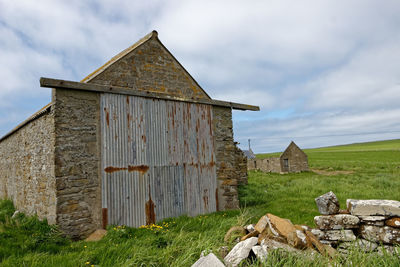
152, 34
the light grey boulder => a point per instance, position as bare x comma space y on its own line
327, 204
208, 261
240, 252
337, 222
334, 235
260, 253
374, 207
386, 234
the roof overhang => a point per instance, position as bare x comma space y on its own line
63, 84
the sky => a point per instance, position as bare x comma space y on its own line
323, 72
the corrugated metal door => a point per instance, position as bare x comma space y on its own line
157, 159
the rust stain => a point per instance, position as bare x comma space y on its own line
107, 117
140, 168
112, 169
105, 218
150, 214
127, 100
205, 199
216, 199
144, 138
129, 117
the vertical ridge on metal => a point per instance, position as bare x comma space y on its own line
157, 159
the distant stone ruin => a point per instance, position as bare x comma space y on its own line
293, 159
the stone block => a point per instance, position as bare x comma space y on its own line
372, 218
240, 252
386, 234
279, 225
251, 234
327, 204
261, 224
334, 235
374, 207
336, 222
96, 235
298, 239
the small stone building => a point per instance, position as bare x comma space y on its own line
135, 142
293, 159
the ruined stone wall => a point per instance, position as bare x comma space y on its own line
272, 164
77, 158
27, 168
227, 195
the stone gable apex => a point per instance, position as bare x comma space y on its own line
292, 146
148, 66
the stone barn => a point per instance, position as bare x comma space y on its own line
135, 142
293, 159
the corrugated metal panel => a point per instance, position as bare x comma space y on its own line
157, 158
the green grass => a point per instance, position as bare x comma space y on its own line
356, 171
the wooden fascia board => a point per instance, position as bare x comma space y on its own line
63, 84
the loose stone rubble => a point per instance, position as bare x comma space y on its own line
372, 226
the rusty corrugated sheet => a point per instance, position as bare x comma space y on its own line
157, 159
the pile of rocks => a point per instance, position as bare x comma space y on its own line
368, 222
370, 225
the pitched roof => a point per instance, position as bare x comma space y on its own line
249, 154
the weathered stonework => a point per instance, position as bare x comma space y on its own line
241, 167
77, 162
27, 167
337, 221
149, 67
272, 164
225, 159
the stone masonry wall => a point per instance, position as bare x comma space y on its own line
77, 158
241, 167
27, 168
227, 195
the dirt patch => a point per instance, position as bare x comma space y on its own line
330, 173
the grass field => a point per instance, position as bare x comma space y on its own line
364, 171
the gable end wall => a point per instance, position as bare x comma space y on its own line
150, 67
